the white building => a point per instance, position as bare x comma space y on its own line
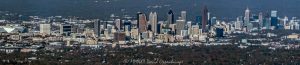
45, 28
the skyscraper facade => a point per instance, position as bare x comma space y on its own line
158, 28
273, 13
97, 28
127, 26
170, 18
246, 20
118, 24
238, 24
219, 32
204, 19
198, 21
274, 19
183, 15
153, 21
45, 28
66, 29
260, 19
246, 17
208, 19
213, 21
180, 24
285, 21
142, 22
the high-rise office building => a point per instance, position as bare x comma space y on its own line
213, 21
273, 13
142, 22
238, 24
119, 36
260, 19
246, 17
159, 28
183, 15
296, 26
97, 28
180, 24
153, 21
110, 29
118, 24
249, 27
104, 24
66, 29
189, 24
194, 30
127, 26
246, 20
208, 18
170, 18
219, 32
274, 19
285, 20
266, 23
204, 19
45, 28
198, 21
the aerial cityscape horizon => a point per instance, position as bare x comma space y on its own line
102, 9
155, 32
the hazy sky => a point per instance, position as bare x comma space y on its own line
103, 8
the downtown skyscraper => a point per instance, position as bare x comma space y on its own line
246, 20
260, 19
142, 22
204, 19
171, 19
153, 21
247, 16
97, 28
274, 19
118, 24
183, 15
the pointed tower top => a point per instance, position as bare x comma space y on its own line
247, 10
170, 12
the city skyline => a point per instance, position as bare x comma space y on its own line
158, 32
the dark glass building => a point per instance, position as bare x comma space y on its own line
219, 32
198, 20
171, 19
127, 24
66, 29
97, 28
204, 19
274, 21
158, 28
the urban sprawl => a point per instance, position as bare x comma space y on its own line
251, 29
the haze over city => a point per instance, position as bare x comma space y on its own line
154, 32
104, 8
